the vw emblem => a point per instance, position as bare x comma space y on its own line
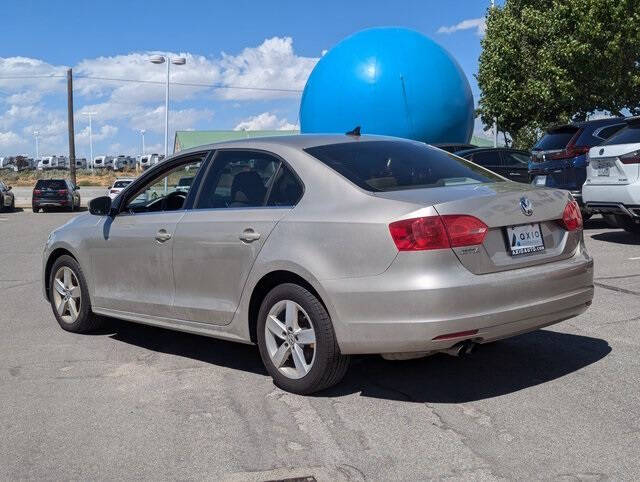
527, 206
601, 151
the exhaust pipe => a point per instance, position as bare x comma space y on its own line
462, 349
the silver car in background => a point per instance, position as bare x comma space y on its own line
317, 247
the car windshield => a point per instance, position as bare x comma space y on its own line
628, 135
398, 165
121, 184
556, 139
51, 184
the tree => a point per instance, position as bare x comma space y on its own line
547, 62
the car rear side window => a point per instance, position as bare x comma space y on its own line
556, 139
397, 165
628, 135
286, 190
57, 184
238, 179
486, 158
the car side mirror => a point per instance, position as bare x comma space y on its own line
8, 188
100, 206
77, 188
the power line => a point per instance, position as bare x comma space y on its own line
156, 82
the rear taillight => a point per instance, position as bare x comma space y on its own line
37, 192
569, 152
113, 191
464, 230
62, 192
437, 232
572, 217
631, 158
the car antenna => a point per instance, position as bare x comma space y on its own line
354, 132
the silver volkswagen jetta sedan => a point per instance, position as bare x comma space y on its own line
317, 247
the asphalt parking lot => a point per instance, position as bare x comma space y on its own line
136, 402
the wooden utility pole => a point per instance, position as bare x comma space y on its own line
72, 142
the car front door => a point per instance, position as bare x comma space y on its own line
489, 159
244, 195
132, 251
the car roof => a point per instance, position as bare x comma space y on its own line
497, 149
125, 179
298, 141
590, 123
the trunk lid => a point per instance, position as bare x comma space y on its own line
606, 168
498, 205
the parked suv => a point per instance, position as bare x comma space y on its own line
50, 193
612, 187
559, 158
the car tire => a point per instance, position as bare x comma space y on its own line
72, 312
12, 208
35, 209
325, 367
1, 204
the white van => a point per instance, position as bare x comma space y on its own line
81, 163
103, 162
48, 162
149, 160
123, 162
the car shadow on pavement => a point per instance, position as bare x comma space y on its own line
495, 369
595, 223
492, 370
237, 356
619, 237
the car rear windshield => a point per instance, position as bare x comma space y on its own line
51, 184
628, 135
556, 139
121, 183
397, 165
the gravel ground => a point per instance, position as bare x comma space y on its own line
136, 402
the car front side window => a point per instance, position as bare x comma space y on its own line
163, 192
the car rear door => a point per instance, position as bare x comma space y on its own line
489, 159
244, 195
515, 165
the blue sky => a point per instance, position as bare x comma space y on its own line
251, 44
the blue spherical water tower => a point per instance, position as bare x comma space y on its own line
391, 81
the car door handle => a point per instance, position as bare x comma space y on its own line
162, 236
249, 236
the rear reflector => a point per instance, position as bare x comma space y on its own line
437, 232
458, 334
571, 217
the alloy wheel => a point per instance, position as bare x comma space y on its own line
290, 339
67, 295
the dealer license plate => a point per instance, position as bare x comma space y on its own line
540, 180
524, 239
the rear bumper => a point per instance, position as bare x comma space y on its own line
50, 202
613, 199
402, 312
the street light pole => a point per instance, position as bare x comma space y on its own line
161, 59
36, 134
142, 131
90, 115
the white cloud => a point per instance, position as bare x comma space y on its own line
265, 122
30, 104
479, 24
11, 140
272, 64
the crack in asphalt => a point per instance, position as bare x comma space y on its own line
617, 277
615, 288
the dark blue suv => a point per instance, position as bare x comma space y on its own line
559, 158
